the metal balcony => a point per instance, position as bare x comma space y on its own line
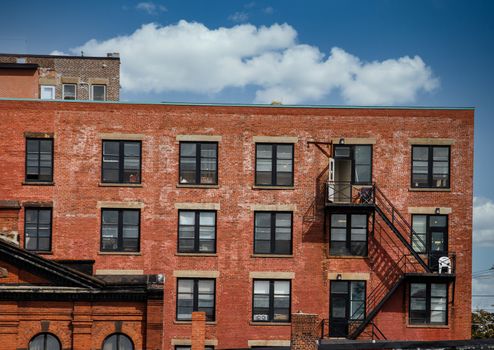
344, 193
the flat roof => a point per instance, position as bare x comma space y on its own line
59, 56
240, 104
29, 66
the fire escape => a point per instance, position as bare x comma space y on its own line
392, 258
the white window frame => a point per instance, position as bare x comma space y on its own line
52, 88
63, 91
92, 92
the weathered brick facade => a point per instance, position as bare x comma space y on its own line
57, 70
77, 193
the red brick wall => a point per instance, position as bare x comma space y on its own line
76, 219
19, 83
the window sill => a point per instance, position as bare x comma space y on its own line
190, 322
427, 189
256, 187
252, 323
427, 326
197, 254
38, 183
346, 257
196, 186
120, 253
41, 252
104, 184
271, 256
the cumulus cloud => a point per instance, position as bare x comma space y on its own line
151, 8
239, 17
483, 221
189, 57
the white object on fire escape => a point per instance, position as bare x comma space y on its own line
331, 183
444, 264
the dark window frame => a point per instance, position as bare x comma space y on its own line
271, 300
349, 293
104, 92
38, 209
75, 92
352, 157
121, 158
197, 163
38, 139
348, 228
45, 340
430, 169
428, 301
273, 232
274, 165
118, 335
195, 298
197, 240
428, 233
120, 238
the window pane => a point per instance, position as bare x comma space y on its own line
187, 149
439, 290
342, 151
208, 150
282, 287
264, 151
261, 287
131, 217
440, 153
207, 218
418, 290
420, 153
99, 92
338, 220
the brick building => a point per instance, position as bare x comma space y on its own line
251, 213
60, 77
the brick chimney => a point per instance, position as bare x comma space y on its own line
305, 331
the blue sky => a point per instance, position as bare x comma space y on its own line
441, 50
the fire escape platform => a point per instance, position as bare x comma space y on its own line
421, 276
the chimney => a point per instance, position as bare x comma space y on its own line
112, 54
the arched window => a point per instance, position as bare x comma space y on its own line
118, 341
44, 341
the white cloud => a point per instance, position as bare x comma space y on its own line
189, 57
483, 221
239, 17
58, 53
268, 10
151, 8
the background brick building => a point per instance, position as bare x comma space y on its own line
85, 190
44, 76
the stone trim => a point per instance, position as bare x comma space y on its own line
352, 276
47, 81
198, 206
70, 80
431, 141
206, 138
275, 139
252, 343
120, 205
9, 204
119, 272
39, 135
429, 210
196, 273
98, 81
186, 341
355, 140
32, 204
121, 136
272, 275
273, 207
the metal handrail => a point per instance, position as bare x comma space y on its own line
346, 192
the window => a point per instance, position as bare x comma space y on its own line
47, 92
120, 230
348, 300
428, 303
118, 341
349, 234
274, 164
121, 162
360, 157
430, 233
271, 301
196, 231
98, 92
273, 233
44, 341
69, 92
195, 295
430, 166
39, 160
37, 229
199, 163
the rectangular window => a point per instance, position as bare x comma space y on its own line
273, 233
37, 229
69, 91
120, 230
360, 157
196, 231
121, 162
98, 92
274, 164
430, 166
349, 234
428, 303
430, 233
39, 160
195, 295
199, 163
47, 92
272, 301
